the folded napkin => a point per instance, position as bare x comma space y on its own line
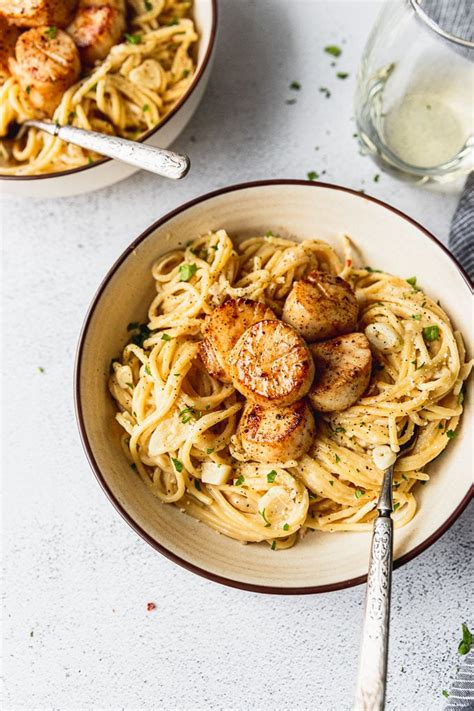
461, 243
461, 238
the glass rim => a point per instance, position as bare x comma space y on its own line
424, 17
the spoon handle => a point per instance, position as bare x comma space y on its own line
157, 160
371, 680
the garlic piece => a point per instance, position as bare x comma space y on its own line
383, 337
214, 473
383, 457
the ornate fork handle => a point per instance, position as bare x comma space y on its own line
370, 691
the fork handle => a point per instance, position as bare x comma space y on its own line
371, 679
166, 163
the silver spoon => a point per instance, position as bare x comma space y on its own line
168, 164
372, 674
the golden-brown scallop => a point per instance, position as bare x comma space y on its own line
343, 367
222, 329
35, 13
8, 37
96, 28
321, 306
271, 364
46, 64
276, 434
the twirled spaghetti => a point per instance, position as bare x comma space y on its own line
126, 94
177, 417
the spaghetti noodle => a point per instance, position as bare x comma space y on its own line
177, 417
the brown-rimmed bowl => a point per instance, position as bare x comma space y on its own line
387, 239
106, 171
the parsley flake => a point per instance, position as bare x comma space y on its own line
239, 481
324, 90
132, 39
165, 337
450, 434
197, 484
445, 693
396, 506
267, 522
466, 643
333, 50
431, 333
286, 527
51, 32
186, 271
269, 233
312, 175
358, 493
342, 75
274, 545
340, 429
148, 5
412, 282
271, 476
417, 317
295, 85
40, 369
209, 450
177, 464
376, 178
145, 108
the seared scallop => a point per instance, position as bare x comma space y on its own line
96, 28
321, 306
35, 13
271, 364
46, 64
343, 367
276, 434
8, 37
223, 328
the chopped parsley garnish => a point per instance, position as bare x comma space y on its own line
269, 233
239, 481
450, 434
177, 464
173, 21
412, 282
417, 317
271, 476
274, 545
188, 414
396, 506
267, 522
324, 90
148, 5
338, 458
358, 493
431, 333
331, 483
373, 271
89, 160
165, 337
209, 450
445, 693
28, 89
146, 107
286, 527
295, 85
197, 484
466, 643
51, 32
333, 50
312, 175
290, 102
186, 271
40, 369
133, 39
440, 426
185, 73
376, 178
340, 429
342, 75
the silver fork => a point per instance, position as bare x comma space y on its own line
372, 674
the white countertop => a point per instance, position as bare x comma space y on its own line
77, 634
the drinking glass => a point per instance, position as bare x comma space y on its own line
415, 86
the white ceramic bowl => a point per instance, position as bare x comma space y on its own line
386, 239
106, 172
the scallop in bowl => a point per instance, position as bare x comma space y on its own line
324, 558
121, 67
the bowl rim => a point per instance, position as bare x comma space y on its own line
151, 131
193, 568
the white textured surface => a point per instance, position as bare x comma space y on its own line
77, 634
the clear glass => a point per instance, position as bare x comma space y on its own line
415, 90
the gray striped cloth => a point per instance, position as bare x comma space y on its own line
461, 238
461, 695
